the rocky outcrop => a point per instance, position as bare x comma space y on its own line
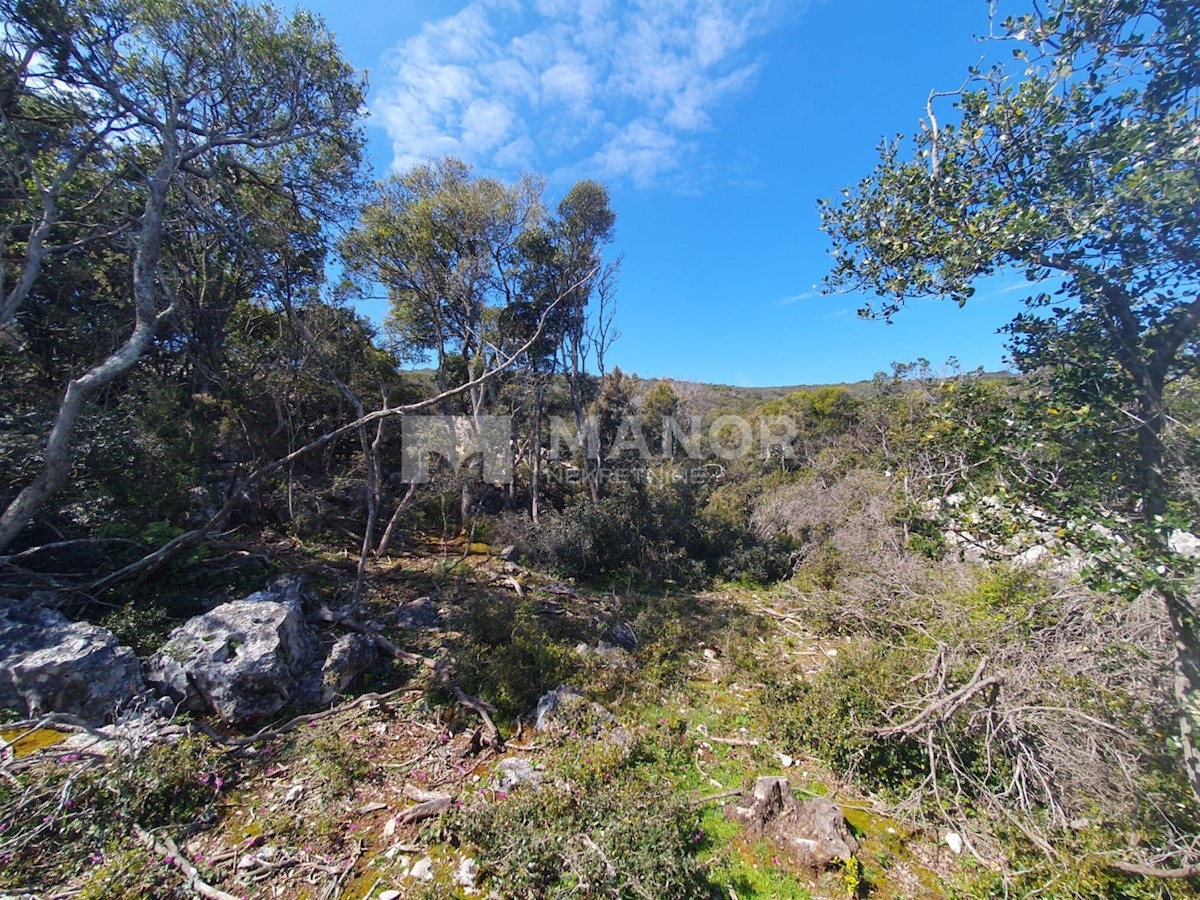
565, 713
51, 664
565, 710
243, 660
812, 834
350, 656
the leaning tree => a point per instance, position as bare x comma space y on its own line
183, 105
1075, 164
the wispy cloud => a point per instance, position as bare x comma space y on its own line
620, 89
798, 298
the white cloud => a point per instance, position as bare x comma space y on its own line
640, 151
570, 82
798, 298
625, 87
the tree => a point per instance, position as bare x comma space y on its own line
1079, 170
445, 244
565, 266
173, 95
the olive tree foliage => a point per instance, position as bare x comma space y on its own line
182, 104
565, 273
444, 245
1075, 164
477, 270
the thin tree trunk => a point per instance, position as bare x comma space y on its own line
56, 459
1151, 418
536, 478
405, 502
1185, 627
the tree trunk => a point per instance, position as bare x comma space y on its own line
1153, 482
535, 480
1185, 628
389, 532
56, 459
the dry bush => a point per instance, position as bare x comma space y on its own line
1038, 704
854, 513
1033, 703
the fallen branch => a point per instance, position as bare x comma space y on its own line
1189, 871
712, 798
945, 707
475, 705
328, 616
493, 738
734, 742
429, 805
170, 853
273, 732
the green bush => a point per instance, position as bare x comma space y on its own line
832, 714
618, 840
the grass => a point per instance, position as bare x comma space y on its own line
715, 694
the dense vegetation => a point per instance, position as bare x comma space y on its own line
189, 403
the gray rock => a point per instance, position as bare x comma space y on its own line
350, 656
812, 834
243, 660
624, 636
419, 615
551, 706
511, 773
50, 664
565, 711
510, 554
608, 655
1185, 544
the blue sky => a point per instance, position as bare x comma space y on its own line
716, 124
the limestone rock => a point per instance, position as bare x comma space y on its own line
565, 710
1185, 544
607, 655
418, 615
813, 834
243, 660
625, 637
351, 656
51, 664
512, 772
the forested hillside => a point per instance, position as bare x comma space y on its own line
294, 603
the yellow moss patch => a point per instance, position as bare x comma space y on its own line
24, 742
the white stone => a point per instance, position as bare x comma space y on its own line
422, 869
468, 869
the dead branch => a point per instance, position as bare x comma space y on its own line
268, 734
944, 707
331, 617
171, 855
429, 804
444, 673
734, 742
1189, 871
